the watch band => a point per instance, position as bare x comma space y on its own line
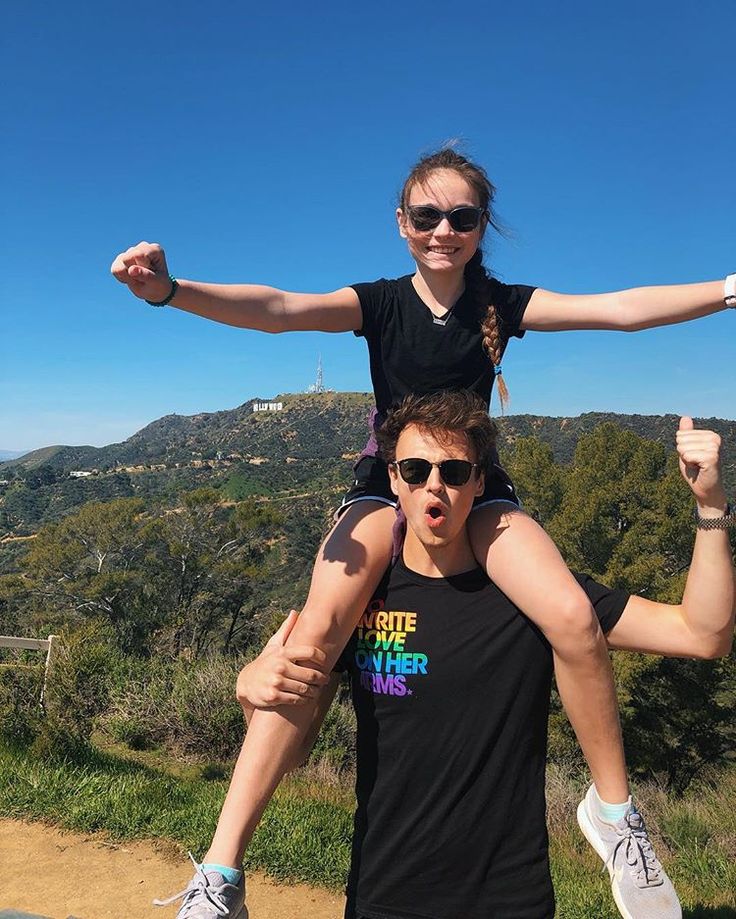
726, 522
729, 291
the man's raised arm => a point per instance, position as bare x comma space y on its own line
702, 624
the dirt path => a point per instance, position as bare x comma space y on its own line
59, 874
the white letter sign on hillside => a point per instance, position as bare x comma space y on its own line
267, 406
30, 644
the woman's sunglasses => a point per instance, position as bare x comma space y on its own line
453, 472
462, 219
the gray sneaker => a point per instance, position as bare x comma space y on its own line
209, 896
640, 885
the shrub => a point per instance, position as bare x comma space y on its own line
204, 716
335, 744
679, 720
20, 710
77, 690
141, 693
186, 706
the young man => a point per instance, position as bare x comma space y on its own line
451, 687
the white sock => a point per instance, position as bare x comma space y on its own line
611, 813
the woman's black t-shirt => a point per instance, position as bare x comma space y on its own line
451, 688
412, 353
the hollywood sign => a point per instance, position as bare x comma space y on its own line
267, 406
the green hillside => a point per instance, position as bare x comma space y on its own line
307, 446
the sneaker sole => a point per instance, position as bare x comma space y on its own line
591, 834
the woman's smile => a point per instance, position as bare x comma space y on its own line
441, 248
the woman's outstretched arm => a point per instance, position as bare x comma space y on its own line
623, 310
144, 271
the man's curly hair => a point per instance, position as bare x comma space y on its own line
441, 414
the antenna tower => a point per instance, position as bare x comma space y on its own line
319, 386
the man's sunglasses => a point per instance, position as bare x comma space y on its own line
462, 219
453, 472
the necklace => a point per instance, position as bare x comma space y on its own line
437, 320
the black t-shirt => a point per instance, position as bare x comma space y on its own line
411, 353
451, 688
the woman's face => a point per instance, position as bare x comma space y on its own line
441, 249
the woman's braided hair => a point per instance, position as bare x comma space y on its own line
476, 276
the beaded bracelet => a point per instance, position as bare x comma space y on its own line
172, 292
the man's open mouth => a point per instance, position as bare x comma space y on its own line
434, 515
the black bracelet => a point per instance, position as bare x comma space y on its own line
726, 522
172, 292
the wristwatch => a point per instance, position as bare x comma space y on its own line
726, 522
729, 291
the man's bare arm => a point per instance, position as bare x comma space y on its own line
702, 624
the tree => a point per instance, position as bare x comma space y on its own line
176, 578
214, 554
538, 480
42, 475
610, 485
13, 593
88, 566
678, 718
626, 517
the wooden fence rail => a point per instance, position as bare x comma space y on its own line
31, 644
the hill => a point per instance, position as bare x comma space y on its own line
308, 445
309, 420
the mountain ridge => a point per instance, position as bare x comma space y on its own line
307, 446
229, 429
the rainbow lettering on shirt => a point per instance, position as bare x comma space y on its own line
380, 651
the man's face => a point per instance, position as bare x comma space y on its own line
435, 511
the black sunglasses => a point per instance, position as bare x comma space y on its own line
464, 219
454, 472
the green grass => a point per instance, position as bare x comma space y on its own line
298, 839
705, 883
305, 833
695, 836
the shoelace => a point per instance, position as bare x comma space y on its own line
200, 893
638, 851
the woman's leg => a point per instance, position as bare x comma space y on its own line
349, 566
526, 565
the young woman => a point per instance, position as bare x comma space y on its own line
445, 327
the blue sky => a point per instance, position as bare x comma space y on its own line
268, 146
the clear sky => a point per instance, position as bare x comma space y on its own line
268, 145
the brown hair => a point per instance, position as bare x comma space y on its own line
442, 414
476, 276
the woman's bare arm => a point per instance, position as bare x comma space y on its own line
143, 269
623, 310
